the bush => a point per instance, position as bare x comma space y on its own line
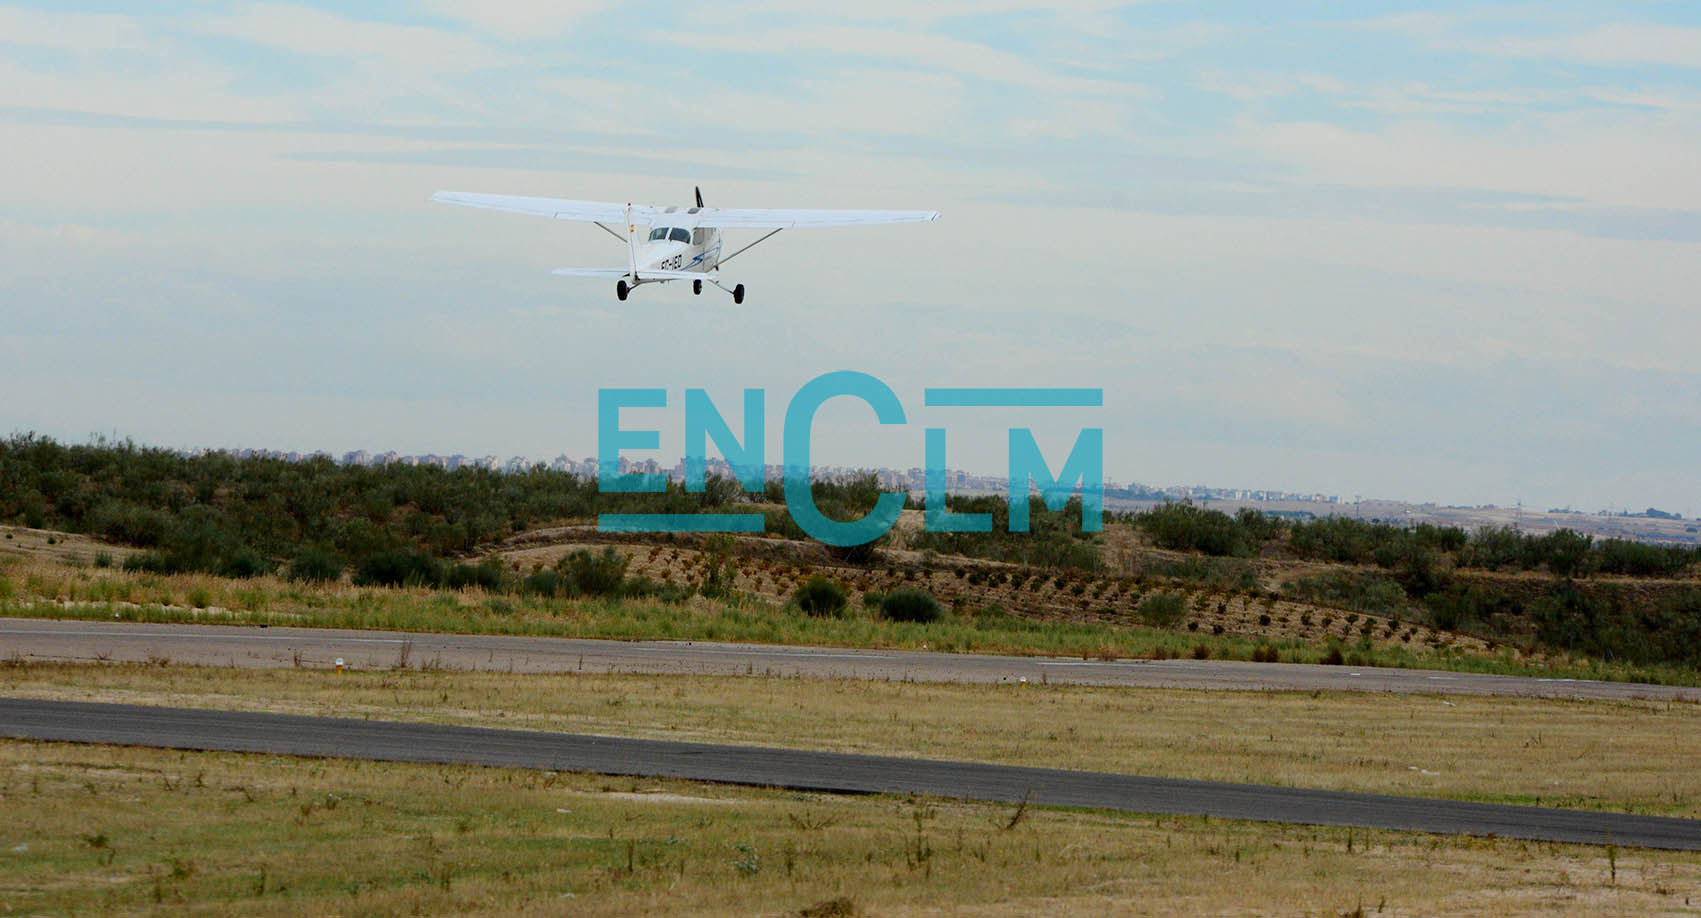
1184, 527
1334, 657
594, 574
153, 562
132, 524
486, 576
994, 615
243, 564
1264, 653
1639, 559
908, 605
1363, 592
1216, 573
820, 596
314, 565
1162, 610
542, 583
1565, 552
402, 567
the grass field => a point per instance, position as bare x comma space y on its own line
1629, 756
110, 830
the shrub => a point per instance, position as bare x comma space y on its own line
1361, 592
1201, 651
993, 614
103, 559
820, 596
1638, 559
486, 576
910, 606
153, 562
243, 564
1162, 610
594, 574
1184, 527
131, 524
401, 567
314, 565
1264, 653
1565, 552
542, 583
1264, 619
1333, 657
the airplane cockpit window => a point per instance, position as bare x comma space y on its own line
659, 234
680, 234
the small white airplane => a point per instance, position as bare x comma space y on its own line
684, 242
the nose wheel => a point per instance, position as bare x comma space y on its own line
696, 288
621, 290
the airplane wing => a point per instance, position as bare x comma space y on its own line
651, 215
769, 218
643, 274
559, 208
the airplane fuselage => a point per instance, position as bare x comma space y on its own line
678, 248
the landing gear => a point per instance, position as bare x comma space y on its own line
738, 294
696, 288
620, 290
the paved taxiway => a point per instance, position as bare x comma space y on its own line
227, 645
282, 734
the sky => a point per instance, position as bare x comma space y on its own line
1444, 252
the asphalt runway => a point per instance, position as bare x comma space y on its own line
229, 645
283, 734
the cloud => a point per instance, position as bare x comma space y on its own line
1605, 159
517, 19
1617, 44
1612, 44
916, 49
81, 33
314, 33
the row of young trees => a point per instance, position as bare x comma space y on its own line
1565, 553
1412, 569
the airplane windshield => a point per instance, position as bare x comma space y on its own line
675, 233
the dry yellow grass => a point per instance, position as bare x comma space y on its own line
19, 542
1632, 756
146, 831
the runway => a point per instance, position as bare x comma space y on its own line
251, 646
282, 734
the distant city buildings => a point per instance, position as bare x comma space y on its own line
913, 479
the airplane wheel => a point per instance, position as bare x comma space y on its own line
738, 294
620, 290
696, 287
